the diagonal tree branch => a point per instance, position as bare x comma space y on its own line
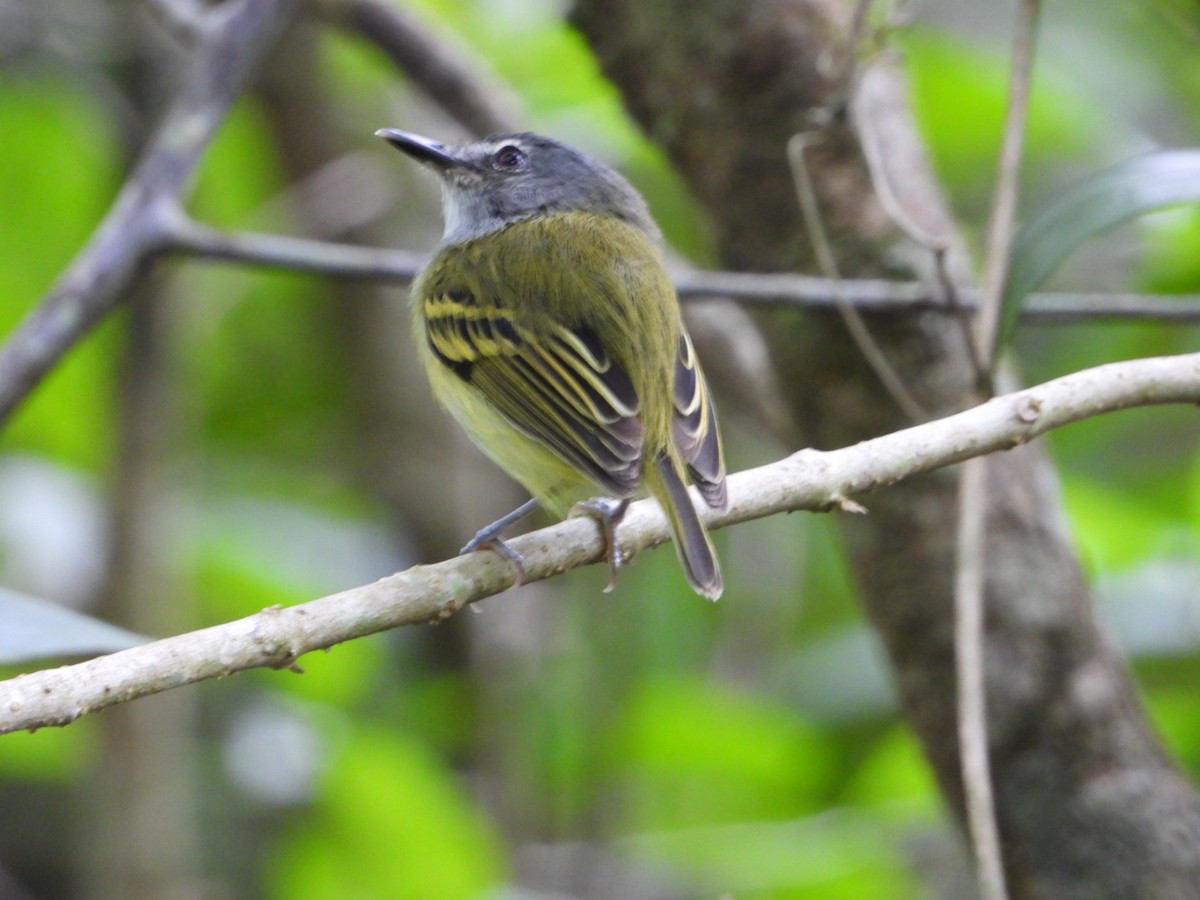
809, 479
452, 77
234, 35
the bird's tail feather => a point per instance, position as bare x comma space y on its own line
695, 549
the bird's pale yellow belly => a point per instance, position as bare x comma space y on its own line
556, 484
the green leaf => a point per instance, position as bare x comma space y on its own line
1094, 205
32, 629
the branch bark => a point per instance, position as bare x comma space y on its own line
809, 479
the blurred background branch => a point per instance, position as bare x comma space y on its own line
235, 34
187, 236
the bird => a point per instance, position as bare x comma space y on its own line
550, 329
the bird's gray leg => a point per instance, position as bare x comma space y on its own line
488, 537
608, 514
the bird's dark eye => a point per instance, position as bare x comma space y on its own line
510, 158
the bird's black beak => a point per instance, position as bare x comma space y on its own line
422, 149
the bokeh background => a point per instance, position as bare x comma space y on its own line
236, 438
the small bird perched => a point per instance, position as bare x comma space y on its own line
549, 327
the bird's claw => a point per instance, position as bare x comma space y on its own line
487, 539
608, 514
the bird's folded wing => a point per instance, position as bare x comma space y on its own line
694, 427
561, 388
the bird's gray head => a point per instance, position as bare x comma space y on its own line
501, 179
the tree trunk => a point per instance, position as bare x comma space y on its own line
1089, 804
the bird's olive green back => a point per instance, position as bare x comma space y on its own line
547, 317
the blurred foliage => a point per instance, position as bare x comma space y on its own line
46, 756
389, 821
750, 747
960, 91
1133, 188
1171, 265
55, 187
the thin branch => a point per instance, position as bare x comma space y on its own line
971, 553
1067, 308
452, 76
950, 290
874, 92
810, 479
186, 235
915, 208
1002, 222
874, 296
131, 232
823, 251
974, 760
789, 289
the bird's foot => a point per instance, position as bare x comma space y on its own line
488, 538
608, 514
